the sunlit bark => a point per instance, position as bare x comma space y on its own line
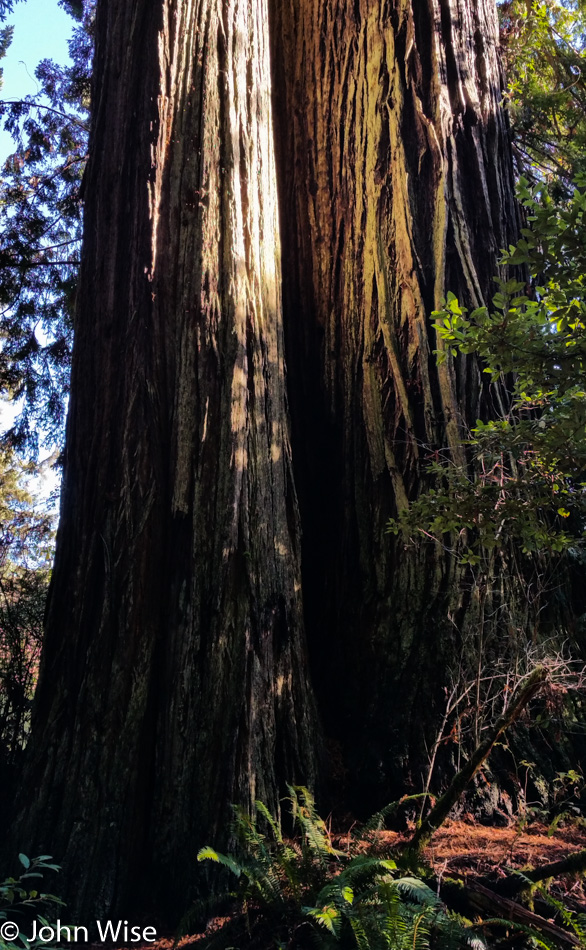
173, 679
396, 185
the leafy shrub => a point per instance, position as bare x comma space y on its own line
526, 471
19, 901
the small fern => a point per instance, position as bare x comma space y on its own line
575, 922
306, 892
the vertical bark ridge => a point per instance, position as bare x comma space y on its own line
395, 166
174, 678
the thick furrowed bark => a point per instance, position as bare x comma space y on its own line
396, 185
173, 678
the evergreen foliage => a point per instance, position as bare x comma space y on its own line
26, 549
6, 7
6, 36
40, 222
545, 60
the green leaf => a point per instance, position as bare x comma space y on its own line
208, 854
348, 895
327, 917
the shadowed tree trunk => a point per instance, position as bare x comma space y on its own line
396, 185
174, 678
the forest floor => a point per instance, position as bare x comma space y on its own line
466, 849
470, 852
461, 848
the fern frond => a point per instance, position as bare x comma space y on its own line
328, 917
355, 901
579, 926
273, 825
364, 868
282, 853
418, 892
362, 941
378, 820
208, 854
417, 938
475, 942
576, 922
456, 932
536, 936
393, 926
313, 828
262, 867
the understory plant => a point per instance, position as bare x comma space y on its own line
26, 550
524, 483
305, 892
21, 900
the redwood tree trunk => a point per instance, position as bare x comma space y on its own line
174, 679
396, 185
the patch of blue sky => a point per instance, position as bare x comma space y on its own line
41, 31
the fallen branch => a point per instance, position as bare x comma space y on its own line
477, 900
444, 805
575, 863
